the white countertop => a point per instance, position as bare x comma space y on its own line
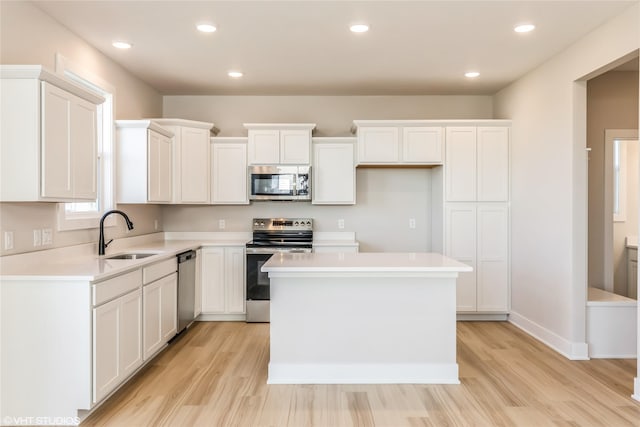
82, 265
363, 262
81, 262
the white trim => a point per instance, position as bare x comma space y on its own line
372, 373
570, 350
636, 393
610, 135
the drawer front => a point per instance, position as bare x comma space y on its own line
112, 288
159, 269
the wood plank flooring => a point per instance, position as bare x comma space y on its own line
216, 375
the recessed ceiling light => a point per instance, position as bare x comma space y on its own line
122, 44
359, 28
235, 74
206, 28
471, 74
524, 28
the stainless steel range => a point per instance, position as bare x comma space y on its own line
270, 236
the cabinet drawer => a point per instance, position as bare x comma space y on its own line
159, 269
112, 288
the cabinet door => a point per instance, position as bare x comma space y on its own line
493, 258
460, 165
152, 301
493, 164
169, 307
106, 370
56, 143
213, 292
234, 278
84, 146
194, 165
130, 333
229, 177
460, 244
159, 158
264, 147
378, 145
334, 174
295, 146
422, 145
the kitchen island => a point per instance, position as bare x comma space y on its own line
363, 318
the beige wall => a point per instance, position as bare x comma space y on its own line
549, 184
28, 36
386, 198
332, 114
612, 103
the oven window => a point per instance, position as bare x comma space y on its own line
257, 281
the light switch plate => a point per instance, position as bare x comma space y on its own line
37, 237
47, 236
8, 240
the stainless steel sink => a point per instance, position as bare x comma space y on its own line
130, 256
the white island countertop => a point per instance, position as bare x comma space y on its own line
377, 262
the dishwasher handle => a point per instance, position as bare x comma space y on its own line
186, 256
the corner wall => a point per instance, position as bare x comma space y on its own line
549, 183
21, 44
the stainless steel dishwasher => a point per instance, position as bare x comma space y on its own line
186, 289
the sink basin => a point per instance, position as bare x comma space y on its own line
130, 256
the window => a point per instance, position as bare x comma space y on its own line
619, 180
83, 215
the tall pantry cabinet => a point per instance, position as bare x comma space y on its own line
476, 218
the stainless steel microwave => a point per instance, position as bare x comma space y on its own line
279, 182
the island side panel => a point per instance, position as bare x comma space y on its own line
363, 330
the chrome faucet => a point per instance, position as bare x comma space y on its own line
101, 244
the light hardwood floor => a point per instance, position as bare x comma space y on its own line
216, 375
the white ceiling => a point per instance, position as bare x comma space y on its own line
305, 47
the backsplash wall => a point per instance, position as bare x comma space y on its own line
386, 200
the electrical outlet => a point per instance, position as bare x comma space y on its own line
341, 224
8, 240
47, 236
412, 223
222, 224
37, 237
155, 224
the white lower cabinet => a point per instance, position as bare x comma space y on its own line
117, 338
159, 313
477, 234
223, 280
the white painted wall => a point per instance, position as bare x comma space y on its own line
549, 182
21, 44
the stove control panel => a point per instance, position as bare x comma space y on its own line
282, 224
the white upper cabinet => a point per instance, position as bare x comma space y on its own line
477, 164
334, 172
229, 171
144, 162
399, 142
49, 137
191, 159
279, 143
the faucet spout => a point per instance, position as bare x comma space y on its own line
101, 244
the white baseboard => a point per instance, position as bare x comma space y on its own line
636, 392
570, 350
374, 373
